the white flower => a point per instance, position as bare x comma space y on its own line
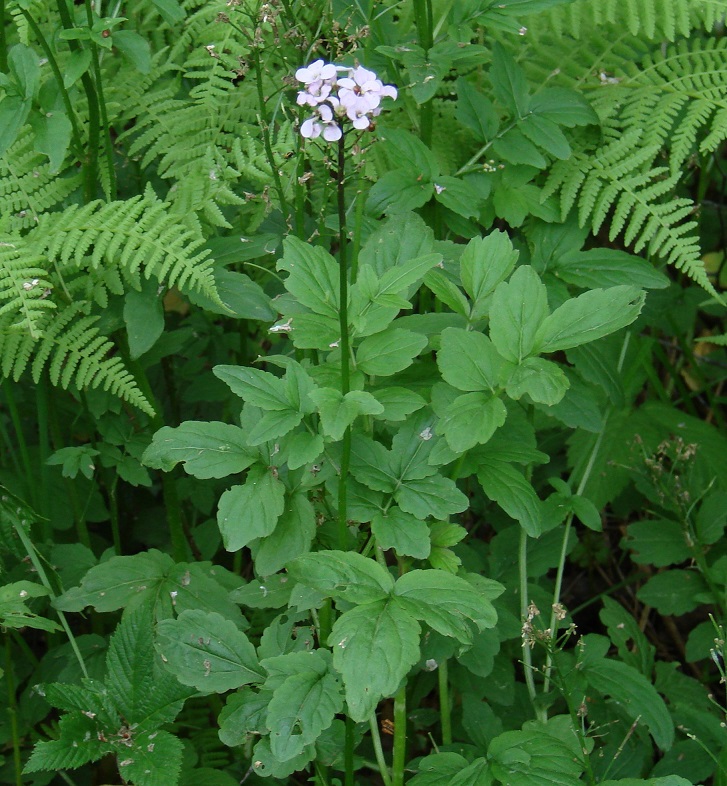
322, 124
316, 71
316, 92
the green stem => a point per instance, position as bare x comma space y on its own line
55, 68
399, 760
524, 603
20, 437
423, 21
3, 40
350, 744
13, 712
114, 513
379, 751
445, 710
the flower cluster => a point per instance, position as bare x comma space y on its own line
337, 94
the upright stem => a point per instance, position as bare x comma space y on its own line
3, 40
20, 437
399, 737
425, 32
379, 751
445, 711
348, 752
13, 712
344, 344
524, 603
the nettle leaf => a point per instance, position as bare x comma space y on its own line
485, 263
313, 276
632, 691
78, 745
590, 316
447, 603
342, 575
469, 361
389, 352
509, 488
154, 759
406, 534
338, 412
658, 542
302, 707
519, 307
150, 578
291, 537
244, 713
252, 510
535, 755
206, 651
206, 449
471, 419
434, 496
542, 380
374, 646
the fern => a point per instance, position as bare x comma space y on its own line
74, 352
24, 287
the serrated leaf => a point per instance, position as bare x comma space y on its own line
406, 534
590, 316
313, 276
338, 412
398, 191
658, 542
252, 510
542, 380
13, 611
434, 496
485, 262
207, 652
244, 713
155, 759
471, 419
206, 449
519, 308
374, 646
447, 603
342, 575
389, 352
371, 464
73, 749
469, 361
507, 486
255, 386
304, 448
291, 537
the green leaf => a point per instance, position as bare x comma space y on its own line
397, 403
485, 262
208, 652
13, 611
134, 48
406, 534
371, 464
342, 575
607, 267
255, 386
476, 111
447, 603
266, 765
273, 425
545, 134
563, 106
469, 361
243, 714
426, 69
313, 276
516, 148
434, 496
171, 11
587, 513
398, 239
397, 191
304, 448
338, 412
75, 460
401, 278
518, 309
471, 419
252, 510
302, 707
24, 66
206, 449
711, 518
374, 646
238, 295
76, 66
590, 316
154, 759
52, 137
14, 111
675, 592
507, 486
389, 352
452, 769
291, 537
658, 542
634, 693
78, 745
667, 780
544, 381
447, 291
457, 195
508, 82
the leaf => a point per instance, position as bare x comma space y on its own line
542, 380
313, 278
469, 361
338, 412
14, 112
24, 65
485, 262
389, 352
75, 460
374, 646
239, 296
397, 191
134, 48
252, 510
171, 11
590, 316
508, 82
304, 448
397, 402
243, 714
342, 575
76, 66
302, 707
207, 651
457, 195
78, 745
452, 769
206, 449
519, 307
154, 759
255, 386
447, 603
507, 486
371, 464
291, 537
607, 267
675, 592
52, 137
546, 135
13, 611
406, 534
434, 496
471, 419
447, 291
711, 518
658, 542
563, 106
476, 111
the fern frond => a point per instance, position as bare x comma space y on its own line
24, 287
138, 236
74, 352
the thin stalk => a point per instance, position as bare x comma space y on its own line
379, 751
3, 40
114, 513
399, 761
41, 401
55, 68
13, 713
423, 20
445, 710
524, 603
345, 345
349, 745
20, 437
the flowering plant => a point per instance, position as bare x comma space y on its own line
339, 93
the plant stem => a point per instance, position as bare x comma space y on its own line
3, 40
445, 711
20, 437
345, 346
423, 20
524, 603
350, 744
13, 712
379, 751
399, 760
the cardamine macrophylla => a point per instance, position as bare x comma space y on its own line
339, 94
